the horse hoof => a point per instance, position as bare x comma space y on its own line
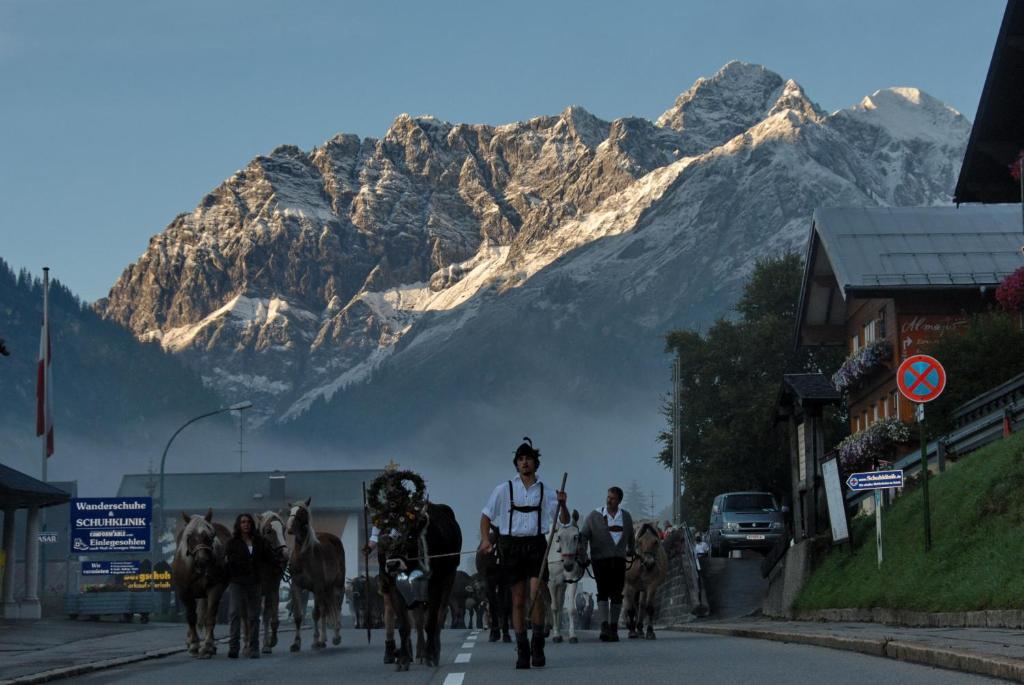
506, 638
319, 645
273, 641
633, 635
556, 639
295, 647
266, 649
573, 640
193, 650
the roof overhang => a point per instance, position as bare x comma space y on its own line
997, 136
821, 311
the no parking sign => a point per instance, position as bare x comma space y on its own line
921, 378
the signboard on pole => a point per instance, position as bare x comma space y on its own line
110, 524
921, 378
111, 568
834, 497
871, 480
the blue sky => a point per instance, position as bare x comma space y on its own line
116, 116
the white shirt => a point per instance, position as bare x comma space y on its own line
613, 521
523, 524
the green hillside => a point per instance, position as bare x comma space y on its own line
977, 544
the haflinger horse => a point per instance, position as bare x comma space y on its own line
317, 565
648, 570
271, 529
199, 577
567, 562
426, 550
499, 595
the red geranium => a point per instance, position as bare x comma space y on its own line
1016, 166
1010, 293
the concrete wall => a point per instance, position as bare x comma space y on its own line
787, 579
680, 598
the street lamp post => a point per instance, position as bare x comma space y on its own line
241, 406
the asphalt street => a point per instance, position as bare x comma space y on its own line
470, 660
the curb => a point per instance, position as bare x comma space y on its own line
81, 669
901, 650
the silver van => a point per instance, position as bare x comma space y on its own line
745, 520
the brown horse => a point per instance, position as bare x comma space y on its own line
648, 570
199, 578
271, 529
317, 565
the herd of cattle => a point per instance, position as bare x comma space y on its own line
427, 548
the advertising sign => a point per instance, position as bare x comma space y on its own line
48, 538
870, 480
918, 330
834, 497
110, 524
111, 568
157, 580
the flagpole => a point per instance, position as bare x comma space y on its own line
46, 363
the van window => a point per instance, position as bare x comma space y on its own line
750, 502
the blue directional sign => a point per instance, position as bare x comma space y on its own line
111, 568
110, 524
873, 480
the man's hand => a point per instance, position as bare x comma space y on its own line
561, 498
485, 546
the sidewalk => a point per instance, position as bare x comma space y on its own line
39, 651
985, 651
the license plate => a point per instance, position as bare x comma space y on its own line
755, 537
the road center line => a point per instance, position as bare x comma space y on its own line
462, 659
468, 645
454, 679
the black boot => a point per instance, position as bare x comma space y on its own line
613, 632
606, 632
389, 651
522, 650
537, 659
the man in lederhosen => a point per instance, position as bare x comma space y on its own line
609, 530
523, 509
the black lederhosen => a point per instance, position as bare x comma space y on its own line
521, 557
610, 575
384, 580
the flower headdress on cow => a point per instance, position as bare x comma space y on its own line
395, 498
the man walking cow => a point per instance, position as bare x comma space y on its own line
523, 510
609, 530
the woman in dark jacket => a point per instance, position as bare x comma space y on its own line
246, 551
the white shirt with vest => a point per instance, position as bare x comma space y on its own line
524, 524
613, 521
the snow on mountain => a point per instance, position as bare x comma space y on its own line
336, 281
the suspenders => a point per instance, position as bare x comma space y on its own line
512, 506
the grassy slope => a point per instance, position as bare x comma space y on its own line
977, 556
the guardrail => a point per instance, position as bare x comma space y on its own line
977, 422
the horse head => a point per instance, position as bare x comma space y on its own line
648, 541
300, 523
198, 540
271, 528
569, 545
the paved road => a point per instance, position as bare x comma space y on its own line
672, 658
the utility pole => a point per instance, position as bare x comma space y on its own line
676, 439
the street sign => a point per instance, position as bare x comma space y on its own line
48, 538
872, 480
921, 378
834, 499
110, 524
111, 568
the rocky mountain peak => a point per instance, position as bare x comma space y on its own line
714, 110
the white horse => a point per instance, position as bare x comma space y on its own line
566, 565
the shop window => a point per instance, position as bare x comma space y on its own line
869, 332
855, 343
880, 323
874, 412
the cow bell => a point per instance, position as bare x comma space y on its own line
412, 586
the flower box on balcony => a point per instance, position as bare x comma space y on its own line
877, 442
861, 363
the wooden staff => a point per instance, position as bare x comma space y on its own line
366, 565
547, 549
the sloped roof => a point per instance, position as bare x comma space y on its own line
22, 490
813, 387
249, 491
997, 136
877, 251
